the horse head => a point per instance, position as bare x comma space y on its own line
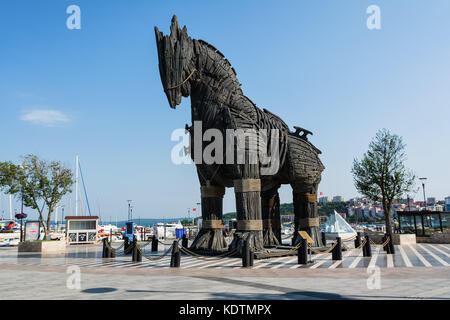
176, 62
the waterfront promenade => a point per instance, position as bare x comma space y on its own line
418, 271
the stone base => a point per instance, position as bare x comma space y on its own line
402, 239
43, 246
436, 237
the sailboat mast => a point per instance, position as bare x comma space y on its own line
10, 207
76, 186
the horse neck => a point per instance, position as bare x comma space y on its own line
214, 86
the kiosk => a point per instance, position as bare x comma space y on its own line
81, 229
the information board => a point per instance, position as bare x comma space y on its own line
306, 236
32, 230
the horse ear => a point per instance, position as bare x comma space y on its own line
174, 27
185, 31
158, 34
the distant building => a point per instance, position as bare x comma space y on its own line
338, 199
431, 200
376, 212
406, 201
289, 217
343, 215
447, 203
323, 200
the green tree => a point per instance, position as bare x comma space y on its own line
39, 183
381, 174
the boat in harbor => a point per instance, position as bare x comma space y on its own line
9, 233
166, 230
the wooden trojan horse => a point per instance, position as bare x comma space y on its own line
190, 67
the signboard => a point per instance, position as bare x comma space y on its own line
306, 236
32, 230
129, 231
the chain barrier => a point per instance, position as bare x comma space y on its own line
230, 236
199, 256
287, 237
345, 247
323, 252
168, 244
381, 244
150, 258
357, 248
120, 247
145, 245
362, 244
125, 252
280, 254
350, 239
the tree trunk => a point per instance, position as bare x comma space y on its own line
47, 226
387, 214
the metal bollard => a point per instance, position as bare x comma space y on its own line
184, 241
138, 254
126, 244
176, 256
112, 253
302, 253
154, 244
245, 254
391, 243
133, 244
358, 239
105, 248
337, 251
367, 251
324, 239
134, 253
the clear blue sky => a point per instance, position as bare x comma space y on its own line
314, 63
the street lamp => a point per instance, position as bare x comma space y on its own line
198, 205
129, 210
423, 187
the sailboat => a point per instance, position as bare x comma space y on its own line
336, 226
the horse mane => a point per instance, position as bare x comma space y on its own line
218, 53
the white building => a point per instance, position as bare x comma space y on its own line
447, 203
338, 199
324, 200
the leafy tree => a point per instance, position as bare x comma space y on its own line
328, 208
186, 222
39, 183
381, 174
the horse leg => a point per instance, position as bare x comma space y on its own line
247, 189
211, 237
270, 208
305, 211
